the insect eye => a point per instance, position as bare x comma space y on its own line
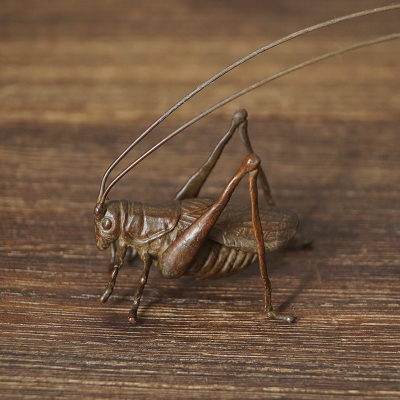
106, 223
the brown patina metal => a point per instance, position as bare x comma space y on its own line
199, 237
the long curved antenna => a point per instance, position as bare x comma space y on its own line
241, 93
232, 66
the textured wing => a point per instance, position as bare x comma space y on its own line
234, 227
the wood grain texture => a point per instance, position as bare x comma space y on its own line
80, 80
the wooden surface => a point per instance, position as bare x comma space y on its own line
78, 81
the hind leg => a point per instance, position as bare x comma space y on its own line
298, 241
195, 183
261, 175
177, 258
193, 186
268, 309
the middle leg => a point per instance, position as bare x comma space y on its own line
142, 282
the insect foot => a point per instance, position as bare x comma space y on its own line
274, 315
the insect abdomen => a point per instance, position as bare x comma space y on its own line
217, 261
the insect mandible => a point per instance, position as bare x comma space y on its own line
200, 237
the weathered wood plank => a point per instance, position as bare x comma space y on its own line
74, 94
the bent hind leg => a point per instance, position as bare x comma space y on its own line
177, 258
193, 186
258, 233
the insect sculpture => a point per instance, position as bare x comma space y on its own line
198, 237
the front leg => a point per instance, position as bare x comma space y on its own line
119, 260
113, 258
130, 256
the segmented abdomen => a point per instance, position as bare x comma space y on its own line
215, 261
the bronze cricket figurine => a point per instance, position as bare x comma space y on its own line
204, 238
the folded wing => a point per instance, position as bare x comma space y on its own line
234, 227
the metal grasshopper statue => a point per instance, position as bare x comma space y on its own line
198, 237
